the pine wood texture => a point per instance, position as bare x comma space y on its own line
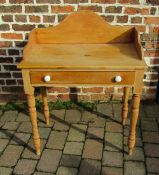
33, 117
83, 50
84, 27
83, 56
45, 104
125, 105
82, 77
133, 122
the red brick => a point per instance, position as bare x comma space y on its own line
93, 89
153, 11
20, 18
128, 1
26, 27
151, 44
109, 18
109, 90
74, 1
62, 9
20, 82
49, 19
4, 27
145, 11
151, 20
48, 1
101, 97
113, 9
36, 9
83, 97
136, 20
52, 98
151, 53
132, 10
11, 9
18, 89
5, 75
35, 19
6, 60
117, 97
11, 36
20, 1
5, 44
5, 97
154, 61
64, 97
153, 2
58, 90
13, 52
156, 45
7, 18
2, 52
156, 30
122, 19
10, 82
120, 89
94, 8
2, 82
10, 67
2, 1
148, 45
103, 1
149, 90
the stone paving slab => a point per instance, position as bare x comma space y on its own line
112, 171
9, 116
90, 167
66, 171
93, 149
56, 140
10, 155
74, 148
6, 171
134, 168
25, 166
49, 161
80, 143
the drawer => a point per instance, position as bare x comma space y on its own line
83, 77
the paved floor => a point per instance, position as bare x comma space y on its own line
79, 142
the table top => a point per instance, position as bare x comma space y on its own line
83, 56
83, 41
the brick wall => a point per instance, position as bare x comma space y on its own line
19, 17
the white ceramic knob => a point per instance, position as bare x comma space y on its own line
118, 79
47, 78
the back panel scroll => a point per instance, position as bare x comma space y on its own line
84, 27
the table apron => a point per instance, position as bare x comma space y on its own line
82, 78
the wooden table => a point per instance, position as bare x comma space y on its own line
83, 50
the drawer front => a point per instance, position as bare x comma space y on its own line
82, 77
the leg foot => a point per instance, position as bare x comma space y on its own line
130, 151
38, 152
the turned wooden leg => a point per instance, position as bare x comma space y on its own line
133, 122
125, 105
33, 117
45, 104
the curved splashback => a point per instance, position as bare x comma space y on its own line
84, 27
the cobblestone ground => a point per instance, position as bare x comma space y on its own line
79, 142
